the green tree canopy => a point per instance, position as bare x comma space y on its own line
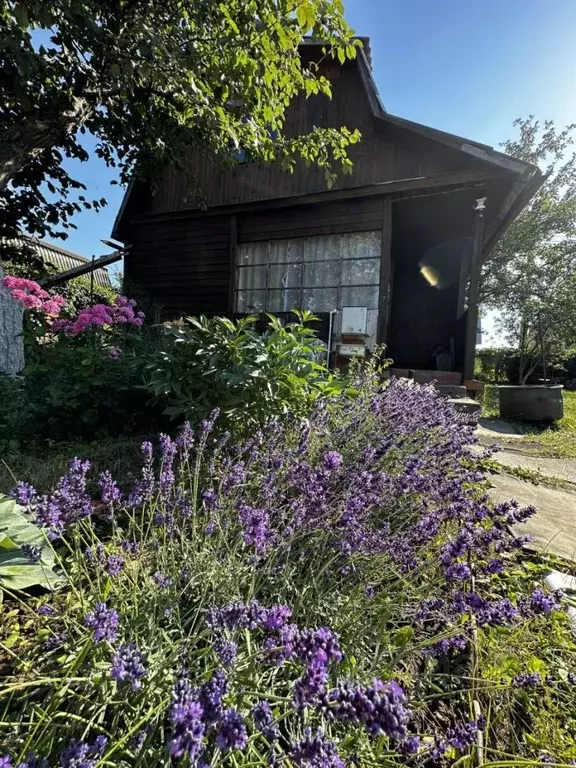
149, 78
530, 277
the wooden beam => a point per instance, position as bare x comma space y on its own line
83, 269
425, 183
473, 290
233, 263
385, 258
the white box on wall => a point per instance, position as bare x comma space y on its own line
354, 320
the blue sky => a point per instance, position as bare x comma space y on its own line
464, 67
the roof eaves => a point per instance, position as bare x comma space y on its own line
370, 86
475, 148
115, 234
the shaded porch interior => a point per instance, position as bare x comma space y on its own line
425, 320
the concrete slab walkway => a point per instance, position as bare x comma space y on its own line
554, 527
564, 469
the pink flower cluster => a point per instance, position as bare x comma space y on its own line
99, 315
32, 296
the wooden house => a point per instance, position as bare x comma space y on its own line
402, 236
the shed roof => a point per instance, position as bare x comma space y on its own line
62, 259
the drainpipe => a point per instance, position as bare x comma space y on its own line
473, 290
330, 324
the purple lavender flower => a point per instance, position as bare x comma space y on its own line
494, 566
527, 680
410, 746
206, 425
540, 602
571, 678
315, 644
312, 685
186, 716
6, 761
381, 707
95, 556
210, 696
32, 552
232, 732
457, 572
24, 493
80, 754
163, 581
104, 622
109, 491
369, 591
168, 450
255, 528
128, 665
232, 616
46, 610
264, 720
463, 735
131, 548
333, 460
114, 565
277, 616
144, 488
55, 641
438, 750
185, 441
456, 643
226, 650
210, 498
315, 751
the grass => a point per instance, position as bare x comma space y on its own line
556, 441
43, 466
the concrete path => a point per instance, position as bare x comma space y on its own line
564, 469
554, 527
493, 429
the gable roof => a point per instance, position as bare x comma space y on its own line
528, 177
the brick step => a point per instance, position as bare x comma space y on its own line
425, 377
451, 390
465, 404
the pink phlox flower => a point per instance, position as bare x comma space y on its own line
31, 302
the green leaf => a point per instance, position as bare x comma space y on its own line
16, 570
21, 15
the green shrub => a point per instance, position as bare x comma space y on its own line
253, 378
492, 364
88, 385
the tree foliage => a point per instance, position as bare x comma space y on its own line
149, 78
530, 278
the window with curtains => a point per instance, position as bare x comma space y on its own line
317, 273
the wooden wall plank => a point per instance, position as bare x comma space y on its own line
385, 267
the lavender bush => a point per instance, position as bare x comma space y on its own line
328, 593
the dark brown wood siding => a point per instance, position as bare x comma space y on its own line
183, 266
386, 152
306, 220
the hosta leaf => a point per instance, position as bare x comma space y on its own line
16, 570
